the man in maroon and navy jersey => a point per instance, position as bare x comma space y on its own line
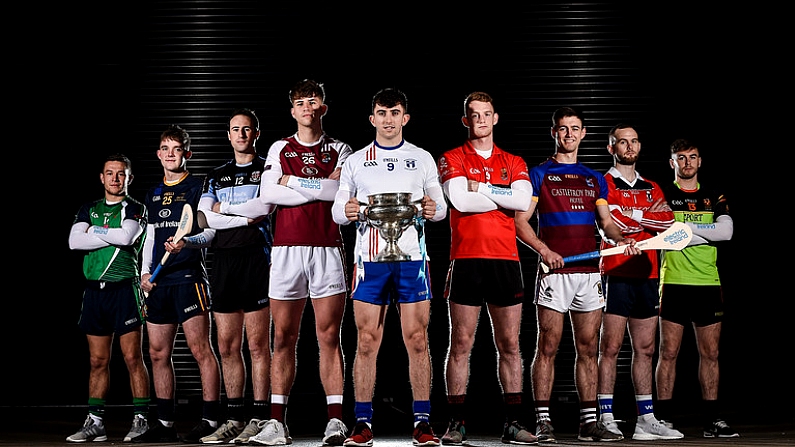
569, 198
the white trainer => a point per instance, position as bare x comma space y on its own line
335, 433
272, 433
654, 429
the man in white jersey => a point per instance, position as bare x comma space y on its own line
390, 165
301, 178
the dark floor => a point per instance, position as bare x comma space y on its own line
36, 426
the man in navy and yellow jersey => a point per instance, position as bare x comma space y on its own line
180, 294
485, 186
111, 231
690, 288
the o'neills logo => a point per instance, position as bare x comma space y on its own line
675, 237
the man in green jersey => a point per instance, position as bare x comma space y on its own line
690, 288
111, 232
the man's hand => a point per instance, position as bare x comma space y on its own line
352, 209
630, 249
145, 284
659, 205
173, 248
428, 207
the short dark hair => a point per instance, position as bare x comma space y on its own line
611, 136
391, 97
682, 144
245, 112
178, 134
306, 89
564, 112
477, 96
118, 157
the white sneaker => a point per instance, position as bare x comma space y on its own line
611, 425
272, 433
654, 429
335, 433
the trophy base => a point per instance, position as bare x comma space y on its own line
392, 258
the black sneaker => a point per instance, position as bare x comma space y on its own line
515, 433
158, 433
719, 429
456, 434
596, 431
201, 430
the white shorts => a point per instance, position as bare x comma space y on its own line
301, 271
581, 292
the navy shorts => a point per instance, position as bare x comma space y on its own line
632, 297
174, 304
240, 279
111, 307
473, 282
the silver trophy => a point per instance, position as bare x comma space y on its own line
391, 213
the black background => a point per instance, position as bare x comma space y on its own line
101, 83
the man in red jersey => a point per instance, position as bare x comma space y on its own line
485, 186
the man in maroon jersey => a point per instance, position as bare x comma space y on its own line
301, 178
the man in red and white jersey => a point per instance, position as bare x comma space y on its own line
638, 207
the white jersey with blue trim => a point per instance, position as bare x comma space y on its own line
376, 170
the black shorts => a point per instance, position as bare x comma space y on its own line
239, 279
473, 282
111, 307
173, 304
632, 297
701, 305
